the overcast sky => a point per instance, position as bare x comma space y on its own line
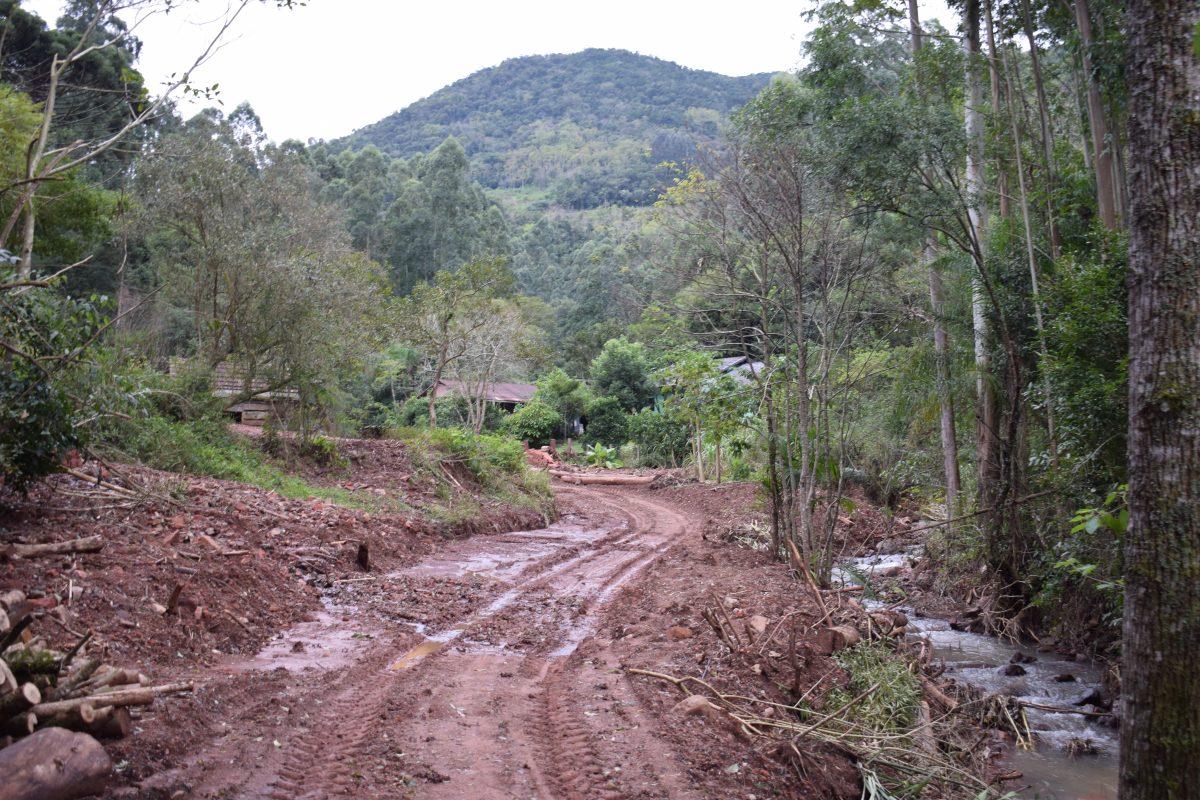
323, 70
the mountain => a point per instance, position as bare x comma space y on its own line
577, 130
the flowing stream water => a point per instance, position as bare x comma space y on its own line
1051, 770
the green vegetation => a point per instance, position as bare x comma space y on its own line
534, 422
884, 693
590, 127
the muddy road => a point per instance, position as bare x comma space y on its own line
479, 672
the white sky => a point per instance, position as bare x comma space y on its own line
333, 66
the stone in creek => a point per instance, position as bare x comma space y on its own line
1012, 670
1094, 697
1021, 658
1066, 677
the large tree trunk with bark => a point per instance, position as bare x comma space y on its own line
1160, 732
53, 764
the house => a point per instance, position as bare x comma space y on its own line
741, 369
505, 395
229, 380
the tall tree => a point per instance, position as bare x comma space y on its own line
1160, 733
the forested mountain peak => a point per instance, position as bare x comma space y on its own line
534, 120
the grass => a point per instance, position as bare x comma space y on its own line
206, 447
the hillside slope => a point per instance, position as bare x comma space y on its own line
586, 128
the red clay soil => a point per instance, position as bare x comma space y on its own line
495, 666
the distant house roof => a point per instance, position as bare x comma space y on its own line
740, 368
492, 392
229, 380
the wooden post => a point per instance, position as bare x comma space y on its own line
553, 446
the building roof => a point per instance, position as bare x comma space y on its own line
741, 369
229, 380
492, 392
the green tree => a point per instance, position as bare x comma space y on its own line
440, 317
607, 422
622, 370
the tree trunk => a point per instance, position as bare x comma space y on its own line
1034, 283
1044, 119
941, 341
1002, 191
54, 764
985, 428
1160, 731
1102, 148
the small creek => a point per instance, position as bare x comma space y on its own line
1050, 771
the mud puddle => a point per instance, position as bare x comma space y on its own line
329, 641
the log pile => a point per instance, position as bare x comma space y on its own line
44, 688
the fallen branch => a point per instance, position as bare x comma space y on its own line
1060, 709
88, 544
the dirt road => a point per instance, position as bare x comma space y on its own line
481, 672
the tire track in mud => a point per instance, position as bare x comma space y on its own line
319, 761
502, 721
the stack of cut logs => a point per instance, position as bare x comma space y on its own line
40, 687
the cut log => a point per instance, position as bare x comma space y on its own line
21, 724
29, 662
8, 681
141, 696
24, 698
77, 719
838, 637
54, 764
595, 479
74, 680
113, 722
88, 544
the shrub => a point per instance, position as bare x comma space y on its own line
661, 436
607, 421
533, 422
598, 455
484, 455
321, 450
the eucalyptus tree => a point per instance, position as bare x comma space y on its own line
1160, 732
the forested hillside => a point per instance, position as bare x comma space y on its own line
588, 128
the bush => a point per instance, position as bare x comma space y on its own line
321, 450
606, 422
44, 387
484, 455
661, 436
534, 422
